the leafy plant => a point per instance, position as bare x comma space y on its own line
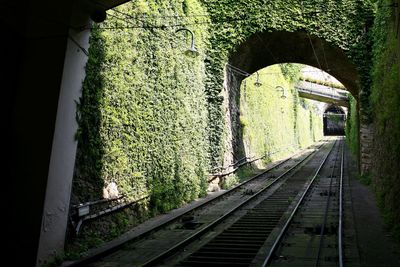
148, 109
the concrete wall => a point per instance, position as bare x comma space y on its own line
39, 88
41, 39
62, 161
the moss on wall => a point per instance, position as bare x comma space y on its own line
385, 99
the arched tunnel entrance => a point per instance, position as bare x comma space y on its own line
268, 48
334, 119
265, 49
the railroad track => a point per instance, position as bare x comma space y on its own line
239, 243
185, 228
313, 233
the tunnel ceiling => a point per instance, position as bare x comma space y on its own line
267, 48
334, 109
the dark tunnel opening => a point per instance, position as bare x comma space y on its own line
334, 120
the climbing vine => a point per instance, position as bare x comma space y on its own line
344, 24
150, 118
273, 124
385, 102
352, 126
143, 113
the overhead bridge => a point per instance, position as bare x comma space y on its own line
322, 93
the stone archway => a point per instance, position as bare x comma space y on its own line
268, 48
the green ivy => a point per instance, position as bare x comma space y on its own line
143, 112
344, 24
150, 118
352, 126
272, 124
385, 102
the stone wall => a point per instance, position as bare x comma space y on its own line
233, 147
366, 146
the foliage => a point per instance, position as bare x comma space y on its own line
326, 83
352, 126
291, 71
142, 116
275, 125
150, 118
343, 24
143, 112
385, 100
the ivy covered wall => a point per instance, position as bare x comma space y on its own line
143, 112
352, 126
272, 124
385, 100
150, 118
342, 24
383, 118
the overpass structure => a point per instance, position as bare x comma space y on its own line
322, 93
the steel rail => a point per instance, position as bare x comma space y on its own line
340, 230
119, 244
289, 220
328, 201
207, 228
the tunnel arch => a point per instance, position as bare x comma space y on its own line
263, 49
334, 120
266, 48
333, 107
